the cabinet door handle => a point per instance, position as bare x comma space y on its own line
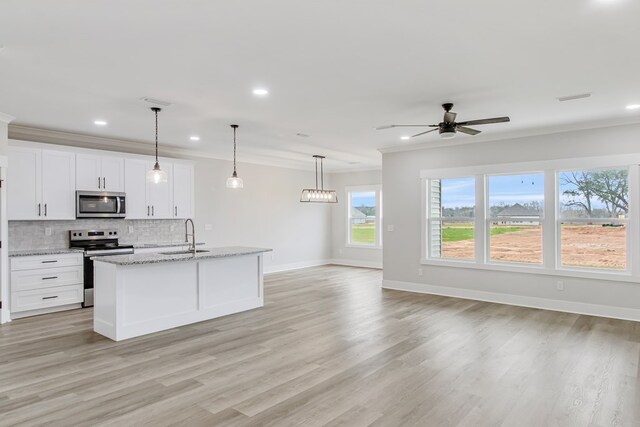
148, 210
45, 209
50, 278
55, 296
39, 210
153, 210
176, 208
49, 262
104, 182
98, 182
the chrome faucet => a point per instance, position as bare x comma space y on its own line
192, 246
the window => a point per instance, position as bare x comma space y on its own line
594, 209
575, 217
363, 212
515, 216
452, 218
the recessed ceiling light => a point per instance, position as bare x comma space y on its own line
405, 137
633, 106
194, 138
260, 92
99, 122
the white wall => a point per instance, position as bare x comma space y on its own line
267, 213
402, 208
340, 253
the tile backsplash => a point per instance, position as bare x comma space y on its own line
25, 235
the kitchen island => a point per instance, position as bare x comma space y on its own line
141, 294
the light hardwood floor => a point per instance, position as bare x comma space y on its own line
329, 348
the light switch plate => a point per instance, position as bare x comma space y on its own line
390, 227
47, 231
208, 227
130, 229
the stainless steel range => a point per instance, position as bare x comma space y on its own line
95, 243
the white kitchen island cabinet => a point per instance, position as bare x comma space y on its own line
140, 294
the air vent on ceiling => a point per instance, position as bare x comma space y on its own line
574, 97
303, 135
155, 101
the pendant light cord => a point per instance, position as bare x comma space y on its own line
316, 173
156, 110
234, 150
321, 174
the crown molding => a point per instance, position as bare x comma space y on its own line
5, 118
627, 121
93, 142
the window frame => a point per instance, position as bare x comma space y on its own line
551, 235
430, 219
489, 219
377, 189
559, 221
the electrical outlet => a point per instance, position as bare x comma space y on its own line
420, 272
173, 227
340, 251
130, 229
208, 227
391, 227
273, 256
47, 231
560, 285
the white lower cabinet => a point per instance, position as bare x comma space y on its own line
42, 283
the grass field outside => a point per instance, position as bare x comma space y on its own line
363, 234
464, 231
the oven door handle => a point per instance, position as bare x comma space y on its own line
109, 252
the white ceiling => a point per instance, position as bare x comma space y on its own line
334, 69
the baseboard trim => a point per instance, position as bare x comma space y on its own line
589, 309
294, 266
356, 263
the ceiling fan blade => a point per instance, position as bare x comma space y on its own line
485, 121
422, 133
403, 126
449, 117
468, 131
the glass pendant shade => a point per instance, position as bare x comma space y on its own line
156, 175
234, 181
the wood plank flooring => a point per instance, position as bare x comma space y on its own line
329, 348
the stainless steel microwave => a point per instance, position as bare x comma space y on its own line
100, 204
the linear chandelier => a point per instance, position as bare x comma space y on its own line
319, 194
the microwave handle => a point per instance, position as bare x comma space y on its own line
118, 204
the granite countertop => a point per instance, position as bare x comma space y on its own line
34, 252
159, 244
156, 258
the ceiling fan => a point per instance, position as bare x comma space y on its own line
449, 127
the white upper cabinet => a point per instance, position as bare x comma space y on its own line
41, 184
58, 184
148, 200
96, 172
24, 183
160, 196
135, 186
182, 190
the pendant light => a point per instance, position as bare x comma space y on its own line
234, 181
156, 175
319, 195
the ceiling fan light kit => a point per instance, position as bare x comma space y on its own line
448, 128
319, 194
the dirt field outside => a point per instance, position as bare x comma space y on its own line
590, 246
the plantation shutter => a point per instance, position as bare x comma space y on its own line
436, 214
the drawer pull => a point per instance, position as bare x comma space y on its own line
50, 278
55, 296
49, 262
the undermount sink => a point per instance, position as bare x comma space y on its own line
198, 251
